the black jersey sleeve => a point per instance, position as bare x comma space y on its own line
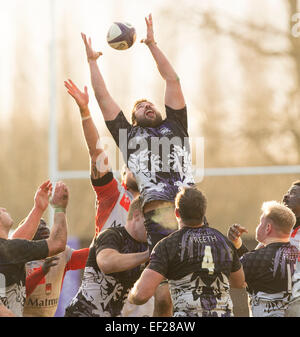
110, 238
159, 258
179, 116
242, 250
120, 122
236, 263
22, 251
106, 179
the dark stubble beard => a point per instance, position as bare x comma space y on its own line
148, 123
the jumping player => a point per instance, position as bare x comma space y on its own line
155, 150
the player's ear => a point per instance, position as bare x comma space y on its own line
268, 228
177, 213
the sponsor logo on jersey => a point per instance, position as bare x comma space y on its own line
46, 302
48, 288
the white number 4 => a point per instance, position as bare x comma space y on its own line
208, 262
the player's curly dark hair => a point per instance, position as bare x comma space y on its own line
191, 205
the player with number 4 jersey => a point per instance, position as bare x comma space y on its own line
200, 263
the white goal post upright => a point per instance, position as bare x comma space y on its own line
52, 131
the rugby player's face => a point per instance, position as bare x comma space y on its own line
292, 199
147, 115
139, 220
5, 218
261, 229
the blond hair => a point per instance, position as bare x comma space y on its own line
281, 216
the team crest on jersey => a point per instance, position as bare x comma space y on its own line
165, 131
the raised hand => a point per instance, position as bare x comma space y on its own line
150, 34
81, 98
90, 53
42, 195
234, 234
61, 196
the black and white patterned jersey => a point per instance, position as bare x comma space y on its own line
295, 240
197, 262
159, 157
13, 256
269, 269
268, 273
103, 295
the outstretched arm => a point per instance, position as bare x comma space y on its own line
58, 235
28, 228
108, 106
99, 160
173, 95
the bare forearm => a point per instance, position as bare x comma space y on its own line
106, 103
28, 229
128, 261
98, 83
120, 262
145, 287
58, 236
99, 160
91, 135
164, 66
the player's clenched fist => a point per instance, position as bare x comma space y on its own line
61, 196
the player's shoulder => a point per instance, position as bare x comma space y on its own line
111, 232
259, 254
172, 238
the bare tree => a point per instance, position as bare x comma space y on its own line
263, 125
